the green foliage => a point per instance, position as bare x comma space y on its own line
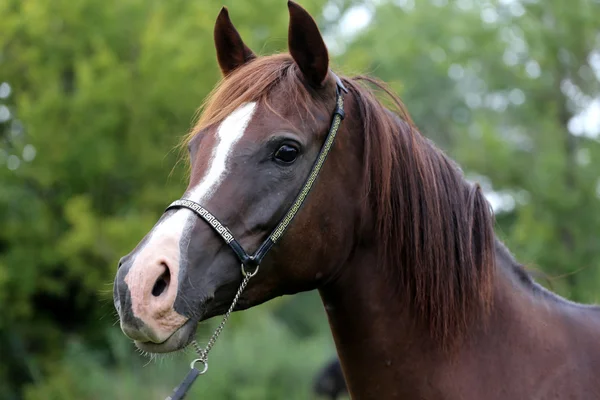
100, 97
101, 94
263, 359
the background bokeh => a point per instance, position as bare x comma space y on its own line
95, 95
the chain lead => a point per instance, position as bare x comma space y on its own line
203, 353
180, 391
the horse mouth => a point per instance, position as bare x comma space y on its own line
177, 341
184, 335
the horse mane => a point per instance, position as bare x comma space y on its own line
435, 229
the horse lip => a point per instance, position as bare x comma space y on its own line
142, 334
183, 335
177, 341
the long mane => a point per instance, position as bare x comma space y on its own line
435, 229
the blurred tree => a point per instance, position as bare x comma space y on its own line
101, 94
498, 84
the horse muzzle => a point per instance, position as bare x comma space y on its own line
144, 297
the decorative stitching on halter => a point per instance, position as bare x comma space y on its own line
206, 215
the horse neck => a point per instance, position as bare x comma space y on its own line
383, 351
372, 332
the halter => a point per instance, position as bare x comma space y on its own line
251, 263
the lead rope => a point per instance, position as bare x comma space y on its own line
181, 390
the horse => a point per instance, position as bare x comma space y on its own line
422, 298
329, 381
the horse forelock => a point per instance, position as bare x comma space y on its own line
254, 82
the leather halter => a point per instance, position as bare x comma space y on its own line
253, 261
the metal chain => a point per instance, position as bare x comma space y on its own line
203, 353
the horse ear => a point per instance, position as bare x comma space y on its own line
231, 50
306, 45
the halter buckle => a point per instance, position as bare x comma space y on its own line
248, 273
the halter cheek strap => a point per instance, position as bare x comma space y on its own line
253, 261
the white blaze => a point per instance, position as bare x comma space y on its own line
172, 232
228, 134
230, 131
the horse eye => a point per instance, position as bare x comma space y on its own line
286, 154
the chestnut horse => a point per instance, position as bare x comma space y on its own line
423, 300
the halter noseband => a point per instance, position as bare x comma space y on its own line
252, 262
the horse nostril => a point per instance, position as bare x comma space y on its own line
162, 282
